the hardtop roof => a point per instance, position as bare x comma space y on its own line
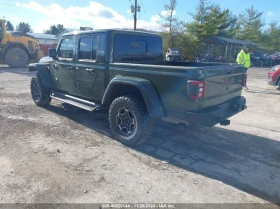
116, 31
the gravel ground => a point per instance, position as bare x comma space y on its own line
61, 154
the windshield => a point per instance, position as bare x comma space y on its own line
174, 51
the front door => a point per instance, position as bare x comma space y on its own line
90, 68
63, 69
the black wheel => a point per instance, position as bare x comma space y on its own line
279, 84
129, 120
40, 94
16, 57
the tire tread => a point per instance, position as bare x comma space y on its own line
45, 98
147, 120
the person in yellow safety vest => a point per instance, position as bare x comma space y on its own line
243, 58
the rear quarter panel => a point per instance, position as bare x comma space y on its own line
169, 82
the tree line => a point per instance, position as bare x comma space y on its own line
25, 28
209, 19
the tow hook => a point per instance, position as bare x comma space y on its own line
225, 123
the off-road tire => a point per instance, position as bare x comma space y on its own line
144, 122
36, 86
12, 54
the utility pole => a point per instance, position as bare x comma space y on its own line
134, 10
135, 15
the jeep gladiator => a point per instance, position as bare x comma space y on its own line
125, 73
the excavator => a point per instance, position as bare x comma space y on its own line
16, 48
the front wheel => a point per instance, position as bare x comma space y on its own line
39, 93
129, 120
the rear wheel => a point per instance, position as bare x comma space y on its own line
129, 120
16, 57
40, 94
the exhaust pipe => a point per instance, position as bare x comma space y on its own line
225, 123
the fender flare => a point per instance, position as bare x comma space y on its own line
146, 88
43, 73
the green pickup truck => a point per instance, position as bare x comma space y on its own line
125, 73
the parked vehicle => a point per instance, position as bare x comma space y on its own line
260, 59
17, 49
266, 60
255, 60
274, 76
124, 72
276, 58
173, 54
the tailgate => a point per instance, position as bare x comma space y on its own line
222, 83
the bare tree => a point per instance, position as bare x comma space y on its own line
169, 21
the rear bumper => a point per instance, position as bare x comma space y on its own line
174, 58
211, 116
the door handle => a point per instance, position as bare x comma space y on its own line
55, 66
89, 69
70, 68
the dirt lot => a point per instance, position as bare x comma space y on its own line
63, 154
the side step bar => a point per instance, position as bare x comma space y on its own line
77, 102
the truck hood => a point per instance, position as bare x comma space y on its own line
46, 60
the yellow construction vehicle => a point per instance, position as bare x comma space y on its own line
16, 48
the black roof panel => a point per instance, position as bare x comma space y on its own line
118, 31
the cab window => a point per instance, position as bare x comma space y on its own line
129, 48
85, 48
66, 48
92, 48
88, 48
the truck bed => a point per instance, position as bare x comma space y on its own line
223, 82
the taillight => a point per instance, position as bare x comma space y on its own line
244, 80
195, 89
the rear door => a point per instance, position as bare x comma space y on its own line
63, 68
222, 83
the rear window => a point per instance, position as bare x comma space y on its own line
136, 48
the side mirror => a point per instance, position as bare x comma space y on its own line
52, 53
